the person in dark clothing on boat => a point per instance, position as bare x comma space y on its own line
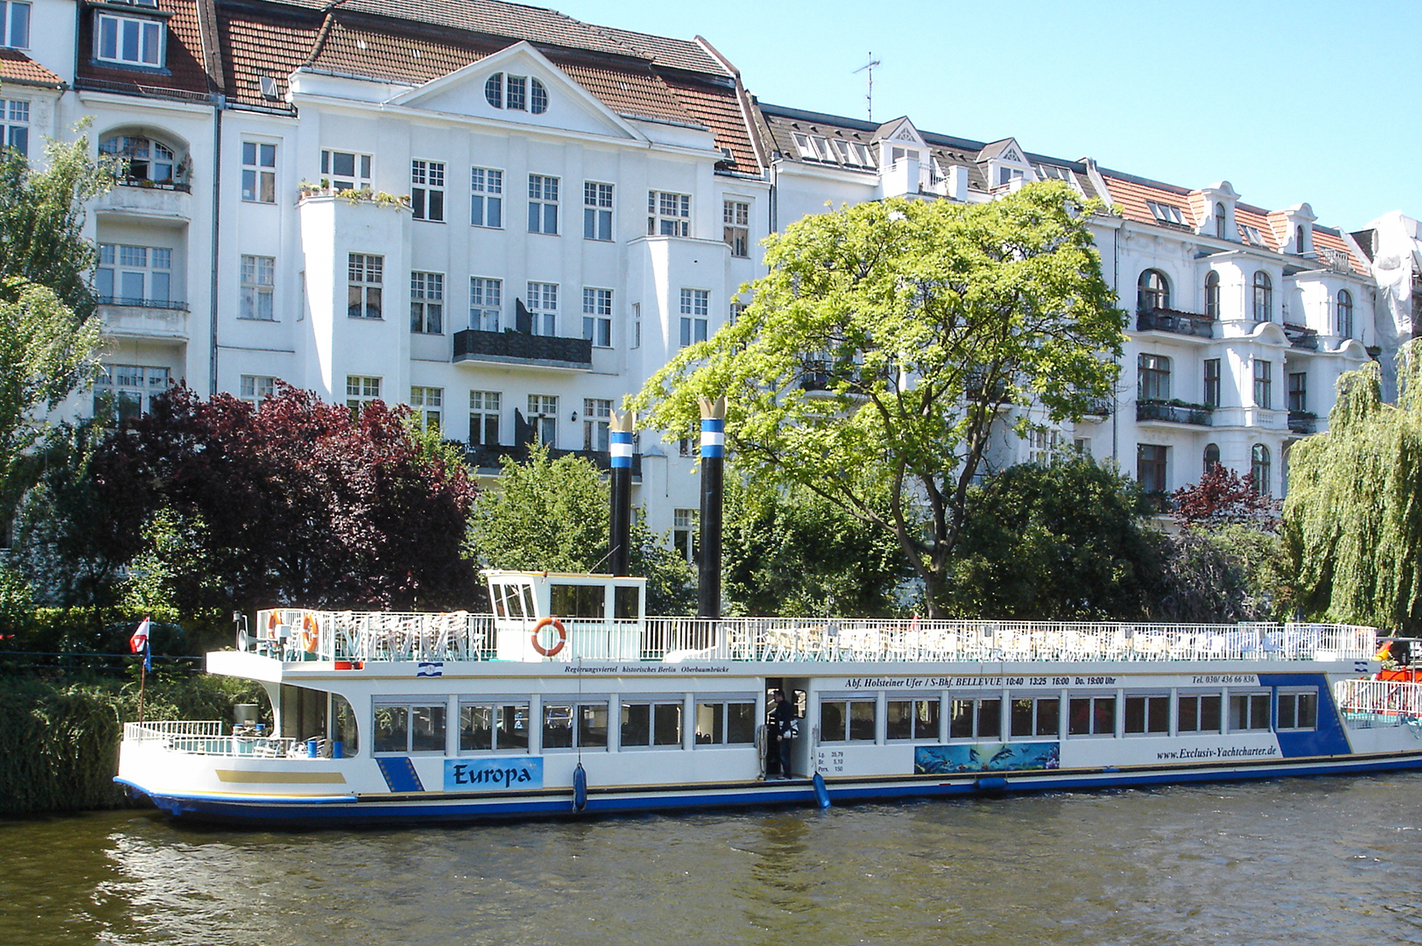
786, 726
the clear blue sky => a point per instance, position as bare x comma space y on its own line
1305, 101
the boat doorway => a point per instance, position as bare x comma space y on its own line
304, 714
795, 694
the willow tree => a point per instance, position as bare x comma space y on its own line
1353, 517
891, 341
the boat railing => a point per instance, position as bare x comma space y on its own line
207, 737
354, 636
1376, 704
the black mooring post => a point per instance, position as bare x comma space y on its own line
713, 487
619, 532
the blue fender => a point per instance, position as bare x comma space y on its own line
580, 788
821, 793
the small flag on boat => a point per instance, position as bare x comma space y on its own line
429, 668
140, 637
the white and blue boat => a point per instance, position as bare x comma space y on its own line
568, 699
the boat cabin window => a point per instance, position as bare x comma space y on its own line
725, 723
409, 727
1039, 717
343, 726
1092, 716
626, 603
575, 725
975, 718
1147, 714
579, 601
1248, 712
514, 601
1198, 712
912, 719
651, 724
1298, 709
848, 720
496, 727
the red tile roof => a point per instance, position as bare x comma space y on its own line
15, 66
185, 71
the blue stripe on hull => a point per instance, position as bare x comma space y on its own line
345, 810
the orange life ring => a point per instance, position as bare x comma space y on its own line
557, 625
272, 621
310, 632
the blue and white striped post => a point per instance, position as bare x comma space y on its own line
619, 532
713, 486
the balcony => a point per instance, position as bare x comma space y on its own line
518, 348
143, 318
488, 459
1099, 407
1174, 412
1301, 337
1303, 422
1175, 322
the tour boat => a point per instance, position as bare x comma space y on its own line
567, 699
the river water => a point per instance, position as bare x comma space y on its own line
1323, 861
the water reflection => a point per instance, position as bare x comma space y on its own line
1304, 862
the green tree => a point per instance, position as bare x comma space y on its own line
1063, 541
877, 356
793, 552
1353, 516
1222, 575
552, 515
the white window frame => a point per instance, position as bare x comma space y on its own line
258, 287
914, 735
15, 30
543, 418
497, 710
1093, 731
543, 308
684, 532
1150, 700
125, 267
653, 708
735, 219
668, 214
113, 35
543, 204
365, 276
359, 177
847, 704
426, 303
1254, 704
1197, 722
720, 713
131, 388
486, 198
597, 316
597, 424
255, 388
15, 124
409, 707
485, 303
360, 391
259, 172
695, 315
427, 403
484, 413
1287, 719
597, 211
427, 190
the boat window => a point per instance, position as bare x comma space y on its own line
1039, 717
495, 727
1198, 712
1147, 715
1298, 709
409, 727
913, 719
1092, 716
847, 720
625, 604
975, 718
725, 723
1248, 712
343, 726
651, 724
579, 601
575, 725
529, 608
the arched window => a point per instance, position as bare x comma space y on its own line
1212, 294
1300, 240
1220, 221
1345, 314
1259, 469
517, 93
1152, 291
1212, 456
147, 161
1263, 297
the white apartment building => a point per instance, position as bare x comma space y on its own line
582, 202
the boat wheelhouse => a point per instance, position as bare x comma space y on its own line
568, 698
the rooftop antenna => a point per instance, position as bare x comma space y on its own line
869, 68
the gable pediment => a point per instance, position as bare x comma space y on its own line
901, 132
517, 84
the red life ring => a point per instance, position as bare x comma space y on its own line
557, 625
310, 633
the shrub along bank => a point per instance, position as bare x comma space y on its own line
59, 740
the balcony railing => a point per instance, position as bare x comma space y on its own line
1301, 337
1179, 323
144, 183
1182, 413
143, 303
521, 348
488, 459
1303, 422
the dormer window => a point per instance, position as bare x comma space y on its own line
14, 24
1220, 222
1006, 175
1167, 214
1303, 240
516, 93
1252, 235
130, 40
